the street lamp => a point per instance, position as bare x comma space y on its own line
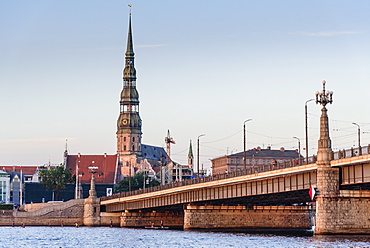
299, 150
324, 146
245, 144
306, 127
359, 140
198, 153
93, 169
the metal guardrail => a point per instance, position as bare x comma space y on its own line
352, 152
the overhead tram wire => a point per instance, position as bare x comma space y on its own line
223, 138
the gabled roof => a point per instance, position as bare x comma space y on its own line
107, 167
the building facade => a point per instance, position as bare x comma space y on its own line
254, 157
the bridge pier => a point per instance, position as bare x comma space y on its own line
337, 211
266, 218
349, 213
149, 219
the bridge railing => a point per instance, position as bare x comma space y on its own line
248, 171
345, 153
352, 152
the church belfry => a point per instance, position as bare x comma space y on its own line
129, 121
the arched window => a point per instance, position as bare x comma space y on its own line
124, 139
124, 147
133, 139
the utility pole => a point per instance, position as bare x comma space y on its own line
306, 127
245, 145
198, 153
129, 179
359, 139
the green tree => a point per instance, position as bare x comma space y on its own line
137, 182
56, 179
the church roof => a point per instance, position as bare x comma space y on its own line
153, 152
107, 167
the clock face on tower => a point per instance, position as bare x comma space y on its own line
124, 121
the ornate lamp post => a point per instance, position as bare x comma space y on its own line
92, 169
359, 140
245, 145
327, 177
198, 153
299, 150
306, 126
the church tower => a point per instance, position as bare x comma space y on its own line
129, 121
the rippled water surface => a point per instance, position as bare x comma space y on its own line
126, 237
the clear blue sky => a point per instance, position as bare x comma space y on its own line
203, 67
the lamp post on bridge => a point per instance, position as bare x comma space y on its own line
306, 126
245, 144
327, 177
359, 140
93, 169
198, 153
299, 150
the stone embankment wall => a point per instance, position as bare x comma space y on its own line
343, 215
68, 213
141, 219
239, 217
110, 219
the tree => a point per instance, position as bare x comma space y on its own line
56, 179
137, 182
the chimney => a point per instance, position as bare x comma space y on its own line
269, 147
78, 155
282, 149
105, 155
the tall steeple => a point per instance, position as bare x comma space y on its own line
129, 121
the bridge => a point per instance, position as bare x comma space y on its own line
286, 185
267, 197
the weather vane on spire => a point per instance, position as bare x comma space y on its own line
130, 6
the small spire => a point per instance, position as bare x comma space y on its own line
190, 154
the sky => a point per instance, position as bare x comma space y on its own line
203, 67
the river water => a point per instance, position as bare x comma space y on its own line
127, 237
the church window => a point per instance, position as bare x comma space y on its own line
124, 147
124, 139
133, 139
133, 148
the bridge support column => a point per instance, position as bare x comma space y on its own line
260, 218
149, 219
92, 205
337, 212
347, 214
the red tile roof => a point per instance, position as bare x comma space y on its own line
107, 167
26, 170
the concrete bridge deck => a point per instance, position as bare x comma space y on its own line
284, 183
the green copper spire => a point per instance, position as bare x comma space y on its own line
190, 154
